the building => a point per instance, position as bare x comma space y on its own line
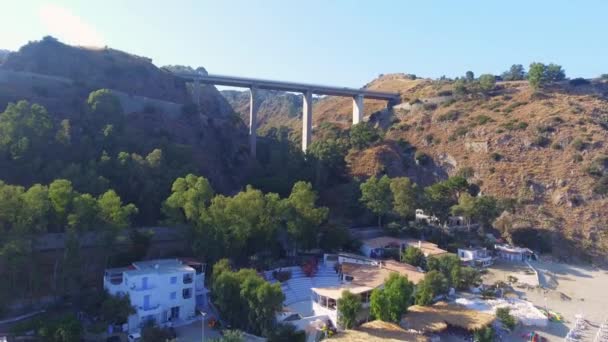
360, 279
477, 257
377, 247
165, 291
428, 219
512, 253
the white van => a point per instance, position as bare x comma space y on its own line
134, 337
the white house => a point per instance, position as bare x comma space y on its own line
164, 291
376, 247
475, 256
513, 253
360, 279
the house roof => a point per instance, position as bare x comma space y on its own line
153, 266
378, 331
428, 248
367, 277
436, 318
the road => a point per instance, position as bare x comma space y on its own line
193, 333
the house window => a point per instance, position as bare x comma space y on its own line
173, 295
173, 280
188, 278
187, 293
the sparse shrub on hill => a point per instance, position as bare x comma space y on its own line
495, 156
451, 115
515, 73
363, 135
540, 74
487, 82
482, 119
579, 81
541, 141
422, 158
601, 186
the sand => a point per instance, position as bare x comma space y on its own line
566, 289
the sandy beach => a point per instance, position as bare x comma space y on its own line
565, 289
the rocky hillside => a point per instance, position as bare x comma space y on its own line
546, 150
3, 55
60, 77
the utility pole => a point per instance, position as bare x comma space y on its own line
203, 325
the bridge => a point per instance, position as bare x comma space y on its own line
307, 91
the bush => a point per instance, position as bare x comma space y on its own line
452, 115
484, 335
281, 276
363, 135
429, 106
495, 156
577, 158
422, 158
541, 141
504, 315
482, 119
556, 146
601, 186
578, 144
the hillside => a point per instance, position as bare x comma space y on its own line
545, 150
158, 114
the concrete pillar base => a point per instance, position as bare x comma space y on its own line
306, 120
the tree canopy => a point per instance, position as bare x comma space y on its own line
376, 195
391, 302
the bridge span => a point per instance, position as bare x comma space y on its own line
307, 91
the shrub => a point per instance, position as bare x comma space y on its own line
556, 146
363, 135
578, 144
482, 119
461, 131
281, 276
504, 315
522, 125
577, 158
601, 186
422, 158
496, 156
579, 81
466, 172
429, 106
452, 115
541, 141
309, 268
445, 93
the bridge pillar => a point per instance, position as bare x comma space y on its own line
306, 120
253, 121
357, 109
197, 93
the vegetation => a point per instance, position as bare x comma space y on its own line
245, 300
515, 73
376, 196
504, 315
413, 256
349, 305
391, 302
363, 135
484, 335
433, 284
541, 74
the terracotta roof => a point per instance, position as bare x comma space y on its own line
378, 331
436, 318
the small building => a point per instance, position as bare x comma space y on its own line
377, 247
476, 257
164, 291
428, 219
513, 253
359, 279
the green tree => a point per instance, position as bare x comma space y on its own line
24, 130
287, 332
504, 315
376, 196
536, 75
230, 336
189, 196
303, 216
104, 112
363, 135
116, 309
554, 73
349, 306
469, 76
391, 302
61, 195
433, 284
469, 277
413, 256
487, 82
404, 196
484, 335
448, 265
515, 73
328, 156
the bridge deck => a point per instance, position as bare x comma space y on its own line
246, 82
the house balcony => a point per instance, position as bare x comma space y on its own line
140, 288
149, 310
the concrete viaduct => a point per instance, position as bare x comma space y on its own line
307, 91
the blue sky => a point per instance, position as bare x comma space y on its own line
341, 42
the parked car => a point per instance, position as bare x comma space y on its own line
134, 337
